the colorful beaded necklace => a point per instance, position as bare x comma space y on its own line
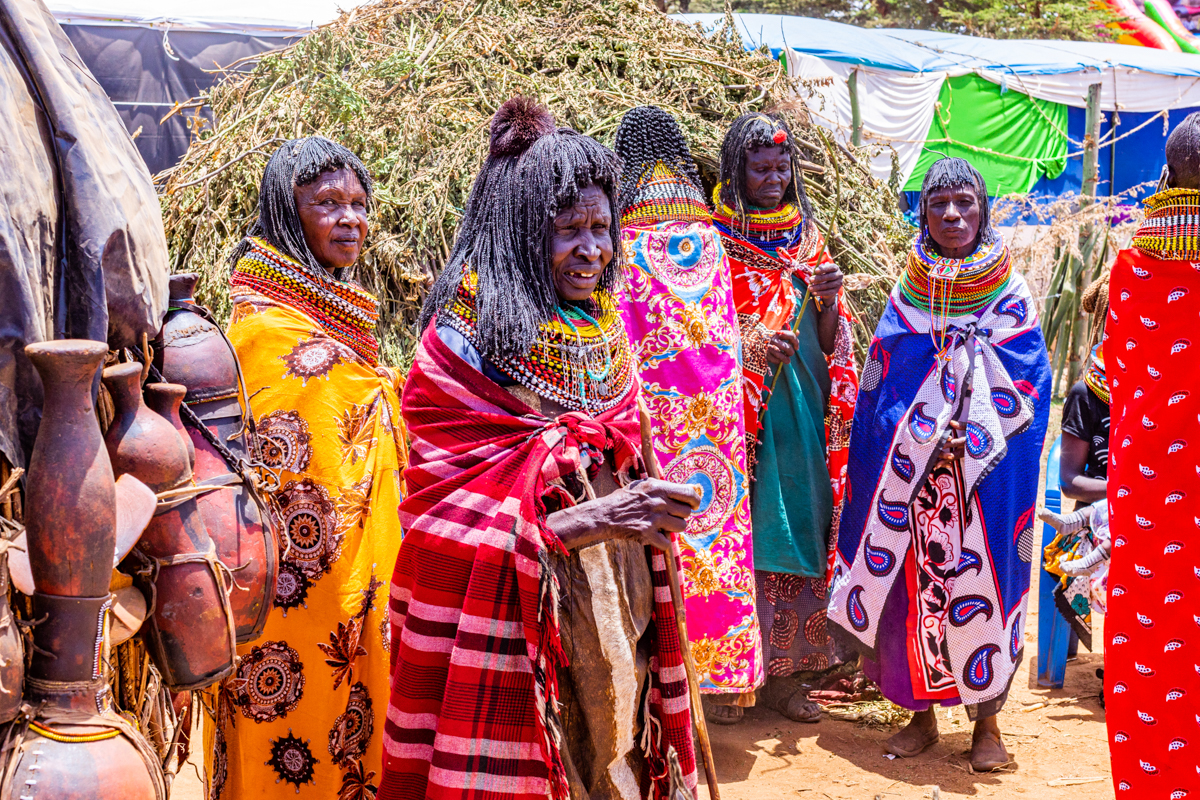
578, 361
953, 287
346, 313
1095, 377
771, 229
1171, 230
663, 195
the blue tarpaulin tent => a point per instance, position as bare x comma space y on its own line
906, 81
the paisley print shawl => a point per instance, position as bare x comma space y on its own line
994, 375
678, 310
1151, 649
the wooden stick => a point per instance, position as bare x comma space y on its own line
779, 367
710, 768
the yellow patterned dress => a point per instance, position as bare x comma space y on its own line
301, 715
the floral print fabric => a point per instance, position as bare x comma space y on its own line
300, 717
678, 311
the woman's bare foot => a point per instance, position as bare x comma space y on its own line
987, 748
916, 737
722, 714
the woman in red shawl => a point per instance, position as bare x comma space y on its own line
794, 323
1152, 656
534, 647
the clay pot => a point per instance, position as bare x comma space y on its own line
141, 441
71, 503
71, 524
164, 399
91, 770
190, 634
192, 352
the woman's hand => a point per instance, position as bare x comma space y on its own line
825, 283
953, 449
640, 513
782, 346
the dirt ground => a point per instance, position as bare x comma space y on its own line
1053, 736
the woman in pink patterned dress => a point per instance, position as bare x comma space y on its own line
678, 311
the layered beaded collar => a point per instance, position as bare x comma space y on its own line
346, 314
578, 361
663, 195
1171, 230
779, 228
952, 287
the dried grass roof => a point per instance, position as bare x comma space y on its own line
410, 86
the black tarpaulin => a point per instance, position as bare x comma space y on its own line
146, 71
82, 251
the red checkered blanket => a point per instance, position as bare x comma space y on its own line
474, 601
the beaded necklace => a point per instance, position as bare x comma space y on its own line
1095, 377
1171, 230
346, 313
577, 360
663, 195
779, 228
953, 287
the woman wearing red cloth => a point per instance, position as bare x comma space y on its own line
1152, 657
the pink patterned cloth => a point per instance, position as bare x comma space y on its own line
679, 313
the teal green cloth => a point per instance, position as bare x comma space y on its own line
791, 502
1011, 138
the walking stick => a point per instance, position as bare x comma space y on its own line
710, 768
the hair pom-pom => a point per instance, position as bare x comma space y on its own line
780, 136
519, 123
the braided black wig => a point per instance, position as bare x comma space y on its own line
1183, 154
646, 136
953, 173
506, 232
298, 162
750, 132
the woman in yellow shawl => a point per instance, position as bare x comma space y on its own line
300, 715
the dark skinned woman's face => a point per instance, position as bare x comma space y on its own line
953, 219
768, 175
581, 245
333, 214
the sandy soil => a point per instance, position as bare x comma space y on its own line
768, 757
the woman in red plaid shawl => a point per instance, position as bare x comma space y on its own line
534, 651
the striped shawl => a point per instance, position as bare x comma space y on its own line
474, 601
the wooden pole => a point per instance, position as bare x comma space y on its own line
698, 721
1076, 341
1091, 146
856, 123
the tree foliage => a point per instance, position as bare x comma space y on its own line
1080, 20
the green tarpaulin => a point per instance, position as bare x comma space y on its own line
1011, 138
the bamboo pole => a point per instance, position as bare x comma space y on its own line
856, 123
710, 768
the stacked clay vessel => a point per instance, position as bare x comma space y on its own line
189, 633
193, 352
76, 747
